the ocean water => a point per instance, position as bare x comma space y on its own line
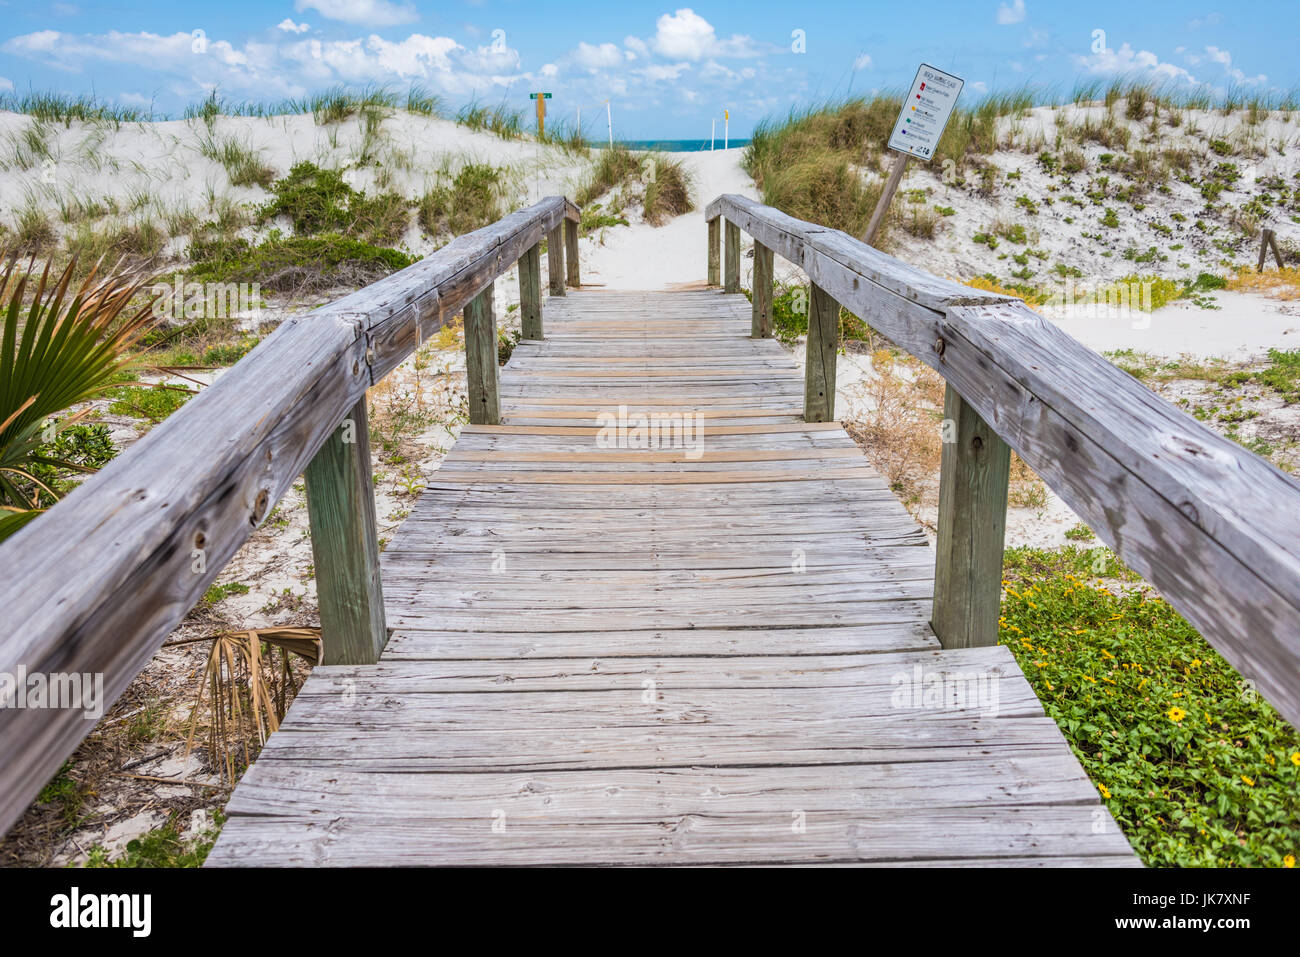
677, 146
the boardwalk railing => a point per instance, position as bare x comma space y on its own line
1214, 527
95, 586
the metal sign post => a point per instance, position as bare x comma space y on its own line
917, 131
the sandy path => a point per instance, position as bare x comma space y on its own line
648, 257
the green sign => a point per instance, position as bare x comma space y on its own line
533, 96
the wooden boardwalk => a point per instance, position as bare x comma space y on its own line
712, 653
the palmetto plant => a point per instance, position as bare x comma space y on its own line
59, 346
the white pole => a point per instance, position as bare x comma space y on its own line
609, 117
726, 129
713, 132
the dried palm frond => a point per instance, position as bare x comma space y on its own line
250, 690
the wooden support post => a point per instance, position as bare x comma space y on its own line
555, 260
733, 258
481, 360
761, 328
886, 197
341, 514
715, 252
1268, 240
819, 361
571, 254
976, 465
530, 293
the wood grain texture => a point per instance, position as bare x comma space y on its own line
481, 368
715, 252
572, 267
972, 522
555, 260
732, 284
612, 651
1214, 527
762, 293
530, 293
103, 578
823, 346
341, 513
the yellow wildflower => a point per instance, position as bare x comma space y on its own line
1176, 714
1249, 781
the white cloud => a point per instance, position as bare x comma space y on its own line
863, 62
636, 46
979, 86
6, 84
287, 68
1128, 60
685, 35
1011, 14
288, 26
368, 13
1219, 56
600, 57
663, 71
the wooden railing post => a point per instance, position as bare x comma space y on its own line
530, 293
733, 258
555, 260
341, 514
715, 252
819, 362
762, 323
976, 465
481, 360
571, 253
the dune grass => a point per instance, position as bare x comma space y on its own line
471, 200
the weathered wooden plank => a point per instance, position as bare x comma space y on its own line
1168, 494
555, 260
732, 259
111, 570
530, 293
822, 347
761, 326
573, 270
975, 468
341, 512
481, 366
714, 253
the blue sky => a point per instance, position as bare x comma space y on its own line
667, 69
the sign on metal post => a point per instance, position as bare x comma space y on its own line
541, 99
925, 112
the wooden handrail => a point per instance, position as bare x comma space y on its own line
96, 585
1214, 527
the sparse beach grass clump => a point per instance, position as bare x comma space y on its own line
319, 200
668, 193
500, 119
243, 164
473, 199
